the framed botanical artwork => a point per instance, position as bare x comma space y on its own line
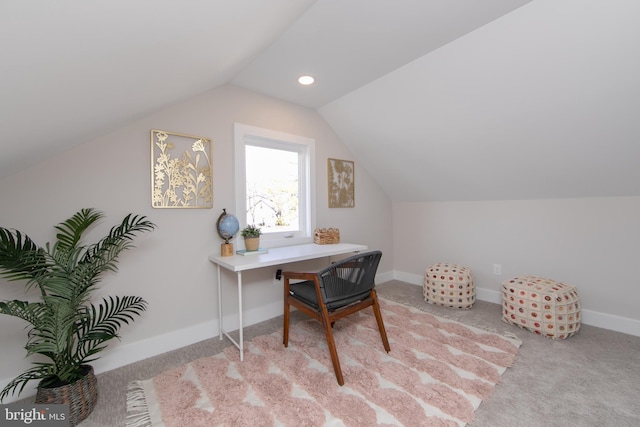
181, 175
340, 176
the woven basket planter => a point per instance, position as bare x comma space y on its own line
81, 396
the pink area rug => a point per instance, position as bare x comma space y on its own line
437, 374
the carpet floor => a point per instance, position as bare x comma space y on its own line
437, 373
590, 379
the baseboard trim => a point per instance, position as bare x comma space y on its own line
589, 317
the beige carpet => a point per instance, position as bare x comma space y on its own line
437, 374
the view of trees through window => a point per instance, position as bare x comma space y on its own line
272, 188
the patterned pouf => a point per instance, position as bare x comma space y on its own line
449, 285
543, 306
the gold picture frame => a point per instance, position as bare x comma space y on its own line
341, 184
181, 171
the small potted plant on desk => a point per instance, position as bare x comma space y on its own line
251, 235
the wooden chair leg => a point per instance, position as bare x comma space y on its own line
378, 314
285, 326
332, 345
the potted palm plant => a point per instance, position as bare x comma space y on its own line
65, 326
251, 235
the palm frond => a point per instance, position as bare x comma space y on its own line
70, 231
31, 312
104, 322
20, 257
67, 274
52, 335
105, 252
35, 373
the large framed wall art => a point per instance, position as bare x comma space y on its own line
181, 171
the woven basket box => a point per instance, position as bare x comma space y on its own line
326, 236
543, 306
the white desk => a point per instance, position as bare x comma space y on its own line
275, 256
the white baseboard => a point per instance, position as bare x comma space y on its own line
384, 277
589, 317
126, 354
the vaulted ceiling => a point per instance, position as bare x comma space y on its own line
437, 99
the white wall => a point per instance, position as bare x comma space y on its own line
591, 243
169, 267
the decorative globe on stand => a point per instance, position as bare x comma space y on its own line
227, 226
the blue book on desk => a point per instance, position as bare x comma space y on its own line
258, 251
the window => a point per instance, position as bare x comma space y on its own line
274, 174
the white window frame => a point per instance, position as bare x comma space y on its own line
252, 135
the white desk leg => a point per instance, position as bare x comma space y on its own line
219, 303
240, 315
240, 343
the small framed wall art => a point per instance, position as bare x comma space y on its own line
181, 175
340, 176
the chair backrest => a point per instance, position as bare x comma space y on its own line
349, 279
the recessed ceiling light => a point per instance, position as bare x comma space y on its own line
306, 80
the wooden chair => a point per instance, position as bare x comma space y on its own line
332, 293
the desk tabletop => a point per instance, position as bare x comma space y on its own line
284, 255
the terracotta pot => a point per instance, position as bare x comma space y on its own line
81, 396
251, 243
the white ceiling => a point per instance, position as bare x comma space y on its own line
72, 70
347, 44
437, 99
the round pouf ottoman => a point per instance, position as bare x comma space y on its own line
543, 306
449, 285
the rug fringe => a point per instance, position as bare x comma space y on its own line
138, 414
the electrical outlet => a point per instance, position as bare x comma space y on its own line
497, 269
